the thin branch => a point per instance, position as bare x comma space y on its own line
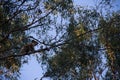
33, 52
90, 31
52, 46
38, 41
15, 13
25, 27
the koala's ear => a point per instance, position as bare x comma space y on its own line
35, 42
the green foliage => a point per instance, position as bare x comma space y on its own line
110, 39
74, 40
75, 59
10, 42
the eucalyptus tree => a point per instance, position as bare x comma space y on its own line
71, 39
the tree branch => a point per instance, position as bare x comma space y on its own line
52, 46
25, 27
39, 50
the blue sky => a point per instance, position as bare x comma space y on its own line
33, 70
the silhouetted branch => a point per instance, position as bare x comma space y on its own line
52, 46
39, 50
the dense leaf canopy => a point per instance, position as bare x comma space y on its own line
74, 42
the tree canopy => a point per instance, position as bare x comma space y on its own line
74, 42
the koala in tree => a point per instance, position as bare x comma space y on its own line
28, 47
